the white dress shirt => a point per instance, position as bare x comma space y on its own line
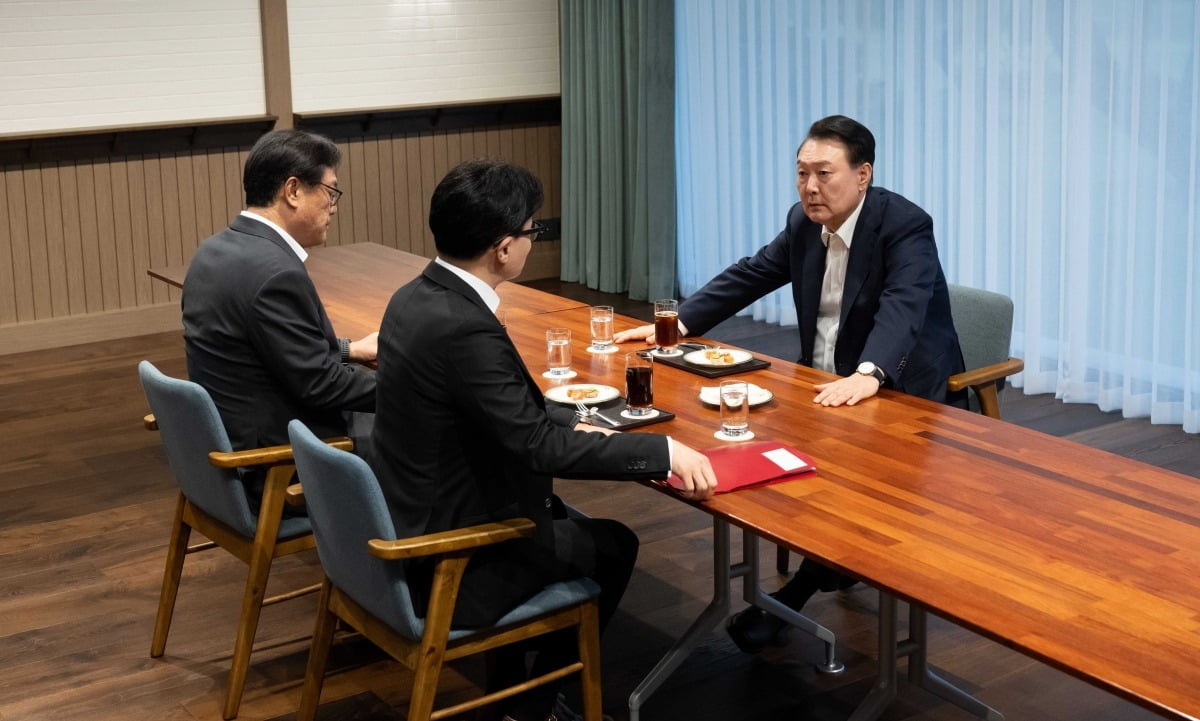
829, 311
300, 252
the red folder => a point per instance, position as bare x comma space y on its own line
757, 463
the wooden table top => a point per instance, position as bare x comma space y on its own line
1080, 558
356, 282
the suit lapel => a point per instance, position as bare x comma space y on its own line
813, 272
858, 266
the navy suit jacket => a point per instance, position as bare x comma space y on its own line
257, 338
895, 305
463, 436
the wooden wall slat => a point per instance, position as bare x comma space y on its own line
8, 290
39, 269
77, 237
126, 273
105, 247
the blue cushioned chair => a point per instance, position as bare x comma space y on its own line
212, 500
983, 320
365, 586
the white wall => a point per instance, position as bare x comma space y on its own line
398, 53
88, 63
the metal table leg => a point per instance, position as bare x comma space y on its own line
919, 671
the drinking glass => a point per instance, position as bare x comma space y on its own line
735, 408
639, 384
602, 328
558, 352
666, 326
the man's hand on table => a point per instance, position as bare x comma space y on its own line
643, 332
848, 390
365, 350
694, 468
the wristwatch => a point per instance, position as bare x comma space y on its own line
867, 368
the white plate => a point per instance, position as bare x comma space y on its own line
758, 395
700, 357
561, 394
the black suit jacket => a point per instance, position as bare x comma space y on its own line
895, 305
258, 339
463, 436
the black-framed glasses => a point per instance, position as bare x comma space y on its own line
534, 232
334, 194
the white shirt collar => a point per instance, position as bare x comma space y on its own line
488, 294
846, 232
300, 252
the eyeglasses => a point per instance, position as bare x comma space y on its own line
534, 232
334, 194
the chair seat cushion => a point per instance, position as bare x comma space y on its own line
551, 598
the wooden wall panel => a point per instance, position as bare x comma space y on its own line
76, 238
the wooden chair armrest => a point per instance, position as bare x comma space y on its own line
150, 422
986, 374
459, 539
268, 456
294, 495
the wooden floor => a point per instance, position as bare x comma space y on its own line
86, 499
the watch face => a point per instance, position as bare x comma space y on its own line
867, 368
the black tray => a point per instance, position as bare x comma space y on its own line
612, 409
677, 361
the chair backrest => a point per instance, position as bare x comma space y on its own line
347, 509
191, 427
983, 320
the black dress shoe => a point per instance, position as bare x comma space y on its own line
754, 629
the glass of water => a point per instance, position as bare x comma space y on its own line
602, 328
558, 352
735, 408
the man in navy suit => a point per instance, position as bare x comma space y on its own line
463, 435
871, 301
255, 332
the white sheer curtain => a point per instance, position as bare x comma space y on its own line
1055, 144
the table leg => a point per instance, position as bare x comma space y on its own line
919, 671
752, 592
716, 610
724, 571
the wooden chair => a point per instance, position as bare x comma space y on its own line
212, 500
983, 320
365, 586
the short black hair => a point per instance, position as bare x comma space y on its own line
281, 154
478, 203
860, 144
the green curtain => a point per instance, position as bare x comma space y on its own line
618, 140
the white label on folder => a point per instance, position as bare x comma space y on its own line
785, 459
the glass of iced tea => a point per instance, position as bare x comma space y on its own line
602, 328
639, 384
735, 408
558, 352
666, 326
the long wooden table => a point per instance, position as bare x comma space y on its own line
1080, 558
1085, 560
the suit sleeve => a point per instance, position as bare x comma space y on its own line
742, 283
288, 330
489, 387
910, 267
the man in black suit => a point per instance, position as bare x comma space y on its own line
256, 334
871, 301
463, 435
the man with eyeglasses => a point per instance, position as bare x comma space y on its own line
463, 435
255, 332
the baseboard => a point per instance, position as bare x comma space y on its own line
90, 328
